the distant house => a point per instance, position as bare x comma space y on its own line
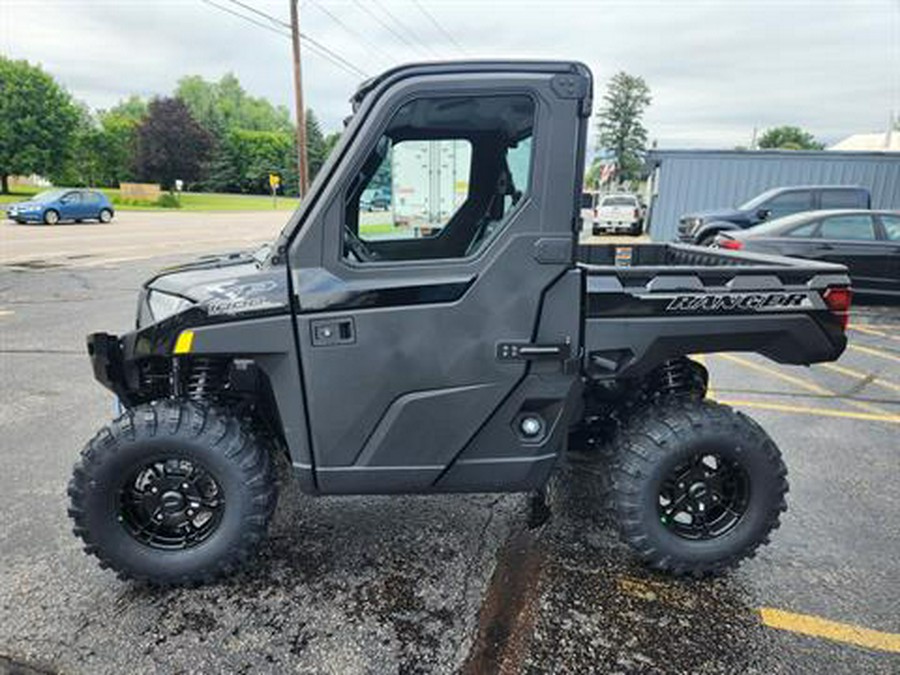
886, 140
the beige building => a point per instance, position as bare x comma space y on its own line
886, 140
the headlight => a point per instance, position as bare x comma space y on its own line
164, 305
30, 207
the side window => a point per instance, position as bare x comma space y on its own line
788, 203
804, 231
71, 198
848, 227
842, 199
891, 227
442, 181
92, 198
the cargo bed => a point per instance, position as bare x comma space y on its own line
649, 302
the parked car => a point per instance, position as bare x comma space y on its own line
378, 199
619, 213
867, 242
701, 228
53, 206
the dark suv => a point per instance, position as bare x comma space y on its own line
702, 227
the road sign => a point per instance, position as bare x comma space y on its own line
274, 181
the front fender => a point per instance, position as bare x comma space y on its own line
713, 228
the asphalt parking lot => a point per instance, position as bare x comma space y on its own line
435, 584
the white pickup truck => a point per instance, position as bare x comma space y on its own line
619, 213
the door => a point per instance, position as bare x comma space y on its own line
851, 239
787, 203
410, 319
70, 206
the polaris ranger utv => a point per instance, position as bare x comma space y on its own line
453, 343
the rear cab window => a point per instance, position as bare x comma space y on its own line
842, 199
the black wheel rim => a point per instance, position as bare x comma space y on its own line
171, 504
704, 497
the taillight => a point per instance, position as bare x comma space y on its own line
838, 301
730, 244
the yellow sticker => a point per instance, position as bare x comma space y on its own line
184, 342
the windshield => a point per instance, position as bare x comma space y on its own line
758, 200
619, 201
47, 196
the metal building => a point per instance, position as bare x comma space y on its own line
682, 181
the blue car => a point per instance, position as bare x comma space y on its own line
53, 206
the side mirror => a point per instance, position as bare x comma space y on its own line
763, 214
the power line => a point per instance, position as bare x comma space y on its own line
385, 25
314, 43
403, 27
315, 46
359, 36
438, 26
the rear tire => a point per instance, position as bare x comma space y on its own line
738, 495
172, 493
51, 217
105, 216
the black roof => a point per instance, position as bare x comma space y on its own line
486, 66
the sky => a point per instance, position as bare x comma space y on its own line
717, 69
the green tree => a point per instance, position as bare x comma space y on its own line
133, 108
224, 105
316, 150
37, 120
171, 144
619, 126
245, 158
788, 138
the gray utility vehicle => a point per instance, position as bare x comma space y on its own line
455, 348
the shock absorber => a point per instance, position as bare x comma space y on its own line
680, 377
206, 378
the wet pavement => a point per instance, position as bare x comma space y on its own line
453, 583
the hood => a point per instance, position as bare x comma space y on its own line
224, 286
729, 215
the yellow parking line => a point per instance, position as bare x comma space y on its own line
804, 410
874, 352
830, 630
849, 372
6, 312
872, 331
803, 384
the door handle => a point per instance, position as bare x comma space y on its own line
324, 332
824, 247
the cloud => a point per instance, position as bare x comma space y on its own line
717, 69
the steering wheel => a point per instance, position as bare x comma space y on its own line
357, 248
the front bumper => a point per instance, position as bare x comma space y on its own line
25, 216
108, 364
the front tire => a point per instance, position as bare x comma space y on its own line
51, 217
172, 493
697, 487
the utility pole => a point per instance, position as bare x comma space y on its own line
298, 101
